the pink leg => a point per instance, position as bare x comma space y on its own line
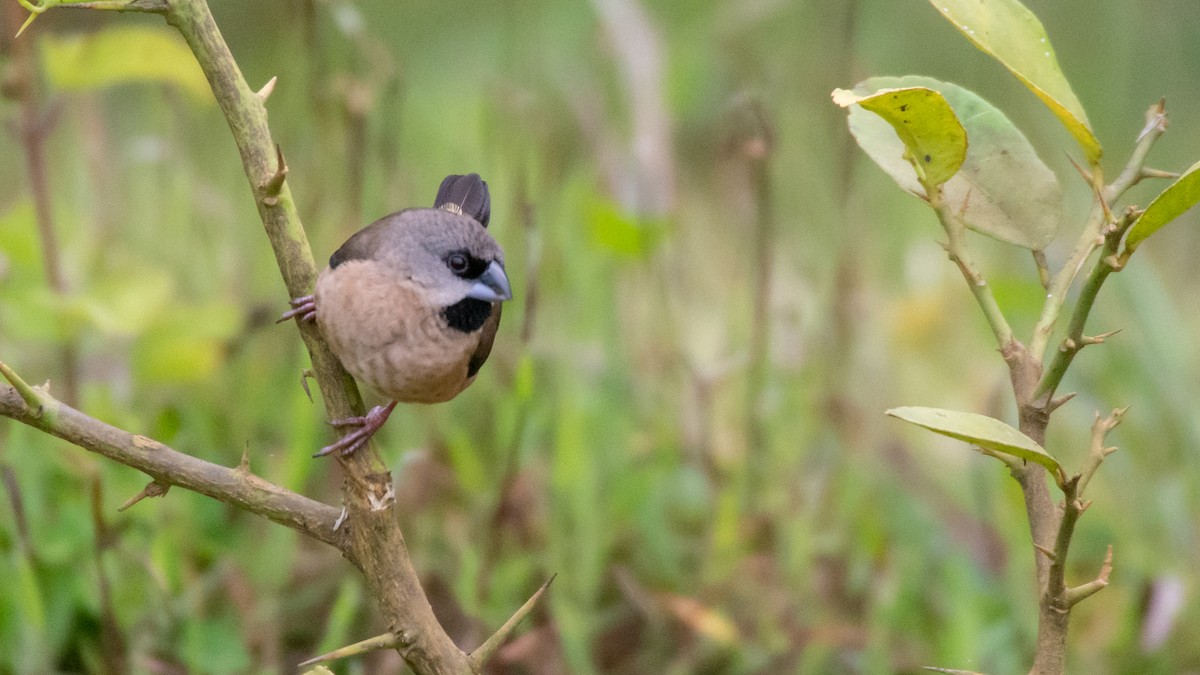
367, 426
304, 307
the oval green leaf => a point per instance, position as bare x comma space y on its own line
986, 432
1007, 31
1167, 206
1003, 189
924, 122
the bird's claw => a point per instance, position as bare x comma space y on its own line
304, 308
367, 426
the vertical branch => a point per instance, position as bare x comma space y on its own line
1098, 225
376, 545
758, 147
960, 254
113, 643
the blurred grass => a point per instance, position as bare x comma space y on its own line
610, 442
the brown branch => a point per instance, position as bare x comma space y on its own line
1097, 452
171, 467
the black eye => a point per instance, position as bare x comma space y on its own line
458, 263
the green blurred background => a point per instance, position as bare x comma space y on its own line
683, 414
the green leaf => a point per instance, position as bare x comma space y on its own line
215, 645
924, 122
986, 432
1002, 189
1167, 206
623, 233
122, 54
1007, 31
185, 343
129, 300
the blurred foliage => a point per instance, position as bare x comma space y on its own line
701, 518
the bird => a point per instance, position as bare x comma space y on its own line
410, 304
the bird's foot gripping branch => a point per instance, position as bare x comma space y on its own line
977, 171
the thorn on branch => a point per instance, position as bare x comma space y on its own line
1039, 258
1108, 214
1098, 339
1100, 429
385, 641
265, 93
1083, 591
1148, 172
1056, 403
304, 377
1156, 120
481, 655
1109, 423
33, 400
271, 187
1087, 175
152, 489
1045, 551
244, 465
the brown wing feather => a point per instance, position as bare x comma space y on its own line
367, 243
487, 335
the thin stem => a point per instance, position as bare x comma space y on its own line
1072, 508
1075, 341
1135, 169
1092, 236
960, 253
758, 146
1089, 240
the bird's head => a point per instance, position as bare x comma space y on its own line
445, 252
451, 257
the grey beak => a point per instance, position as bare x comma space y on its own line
492, 285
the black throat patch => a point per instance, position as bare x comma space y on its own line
467, 315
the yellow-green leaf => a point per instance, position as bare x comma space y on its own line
986, 432
123, 54
1002, 189
924, 121
1167, 206
1007, 31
